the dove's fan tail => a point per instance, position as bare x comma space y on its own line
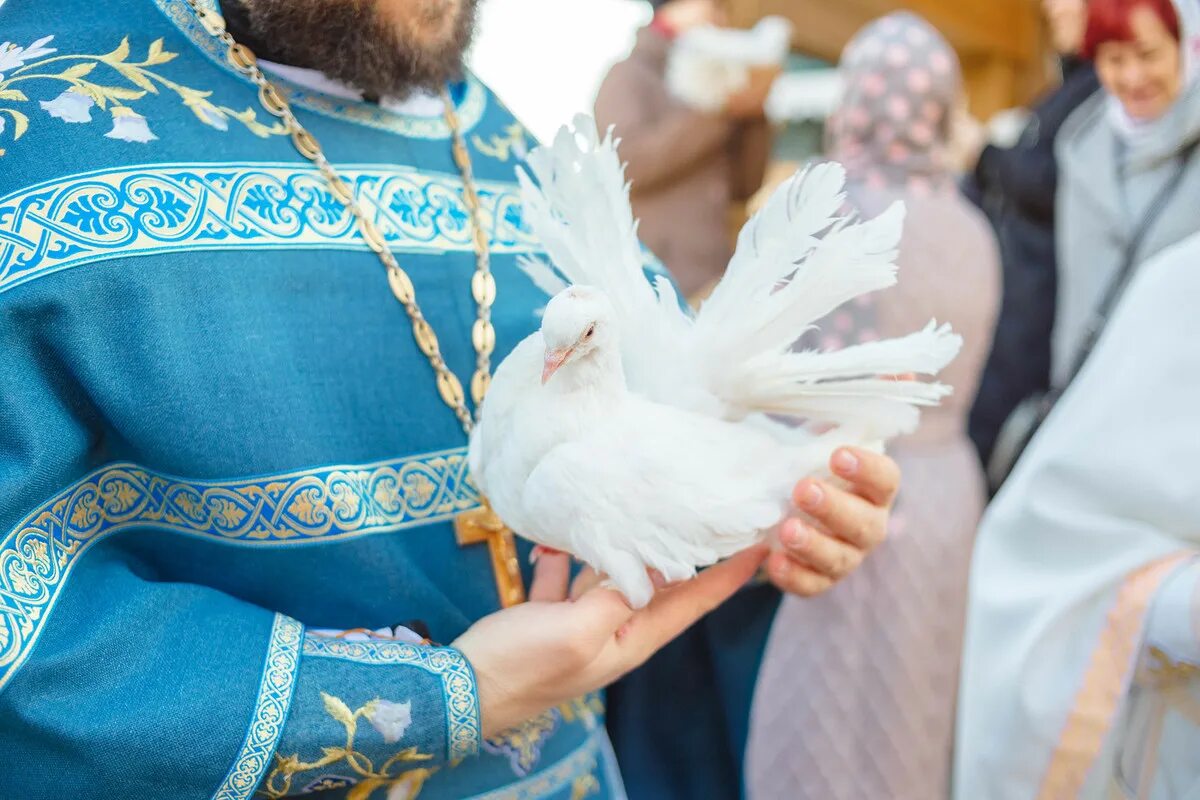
842, 387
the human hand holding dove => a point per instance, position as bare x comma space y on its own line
636, 436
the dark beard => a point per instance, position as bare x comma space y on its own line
350, 41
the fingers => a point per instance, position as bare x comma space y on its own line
872, 476
843, 513
817, 551
551, 573
673, 610
794, 577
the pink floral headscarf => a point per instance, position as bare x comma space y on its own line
900, 83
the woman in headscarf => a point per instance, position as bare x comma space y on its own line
870, 714
1081, 674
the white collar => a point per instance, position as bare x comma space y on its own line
417, 104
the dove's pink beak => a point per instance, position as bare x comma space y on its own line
554, 360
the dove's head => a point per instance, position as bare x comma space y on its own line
576, 328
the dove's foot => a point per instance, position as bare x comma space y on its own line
540, 550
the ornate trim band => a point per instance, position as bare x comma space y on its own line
163, 208
278, 510
270, 711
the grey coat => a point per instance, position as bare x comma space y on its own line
1105, 188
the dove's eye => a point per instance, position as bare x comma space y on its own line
591, 329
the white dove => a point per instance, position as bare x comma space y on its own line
635, 435
707, 64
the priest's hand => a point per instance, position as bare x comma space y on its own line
563, 643
838, 525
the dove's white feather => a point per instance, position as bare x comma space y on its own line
542, 274
653, 448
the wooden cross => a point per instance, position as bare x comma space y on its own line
482, 525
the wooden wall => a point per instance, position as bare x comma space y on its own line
1000, 42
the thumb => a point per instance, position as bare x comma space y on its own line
674, 610
602, 611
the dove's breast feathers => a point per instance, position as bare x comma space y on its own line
673, 488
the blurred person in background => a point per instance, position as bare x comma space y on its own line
690, 169
872, 716
1129, 180
1016, 186
1081, 675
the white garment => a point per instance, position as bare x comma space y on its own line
1109, 486
417, 104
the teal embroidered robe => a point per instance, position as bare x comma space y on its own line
217, 434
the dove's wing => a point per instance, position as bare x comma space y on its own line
578, 207
797, 260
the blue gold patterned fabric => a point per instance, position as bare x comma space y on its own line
217, 435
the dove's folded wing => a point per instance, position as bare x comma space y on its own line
677, 492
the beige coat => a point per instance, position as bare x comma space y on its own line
689, 170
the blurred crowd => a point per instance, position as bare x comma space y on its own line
1060, 252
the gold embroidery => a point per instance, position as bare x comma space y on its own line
133, 81
411, 780
584, 786
523, 743
582, 762
501, 147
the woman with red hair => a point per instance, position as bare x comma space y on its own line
1126, 153
1081, 670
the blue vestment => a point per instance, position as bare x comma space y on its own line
218, 435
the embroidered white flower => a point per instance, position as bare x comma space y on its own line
70, 106
129, 126
13, 56
406, 788
210, 116
391, 719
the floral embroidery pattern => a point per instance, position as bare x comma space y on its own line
391, 774
522, 744
458, 681
107, 82
575, 772
502, 147
38, 555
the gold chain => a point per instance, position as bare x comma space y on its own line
483, 285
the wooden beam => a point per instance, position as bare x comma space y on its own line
1007, 28
998, 41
